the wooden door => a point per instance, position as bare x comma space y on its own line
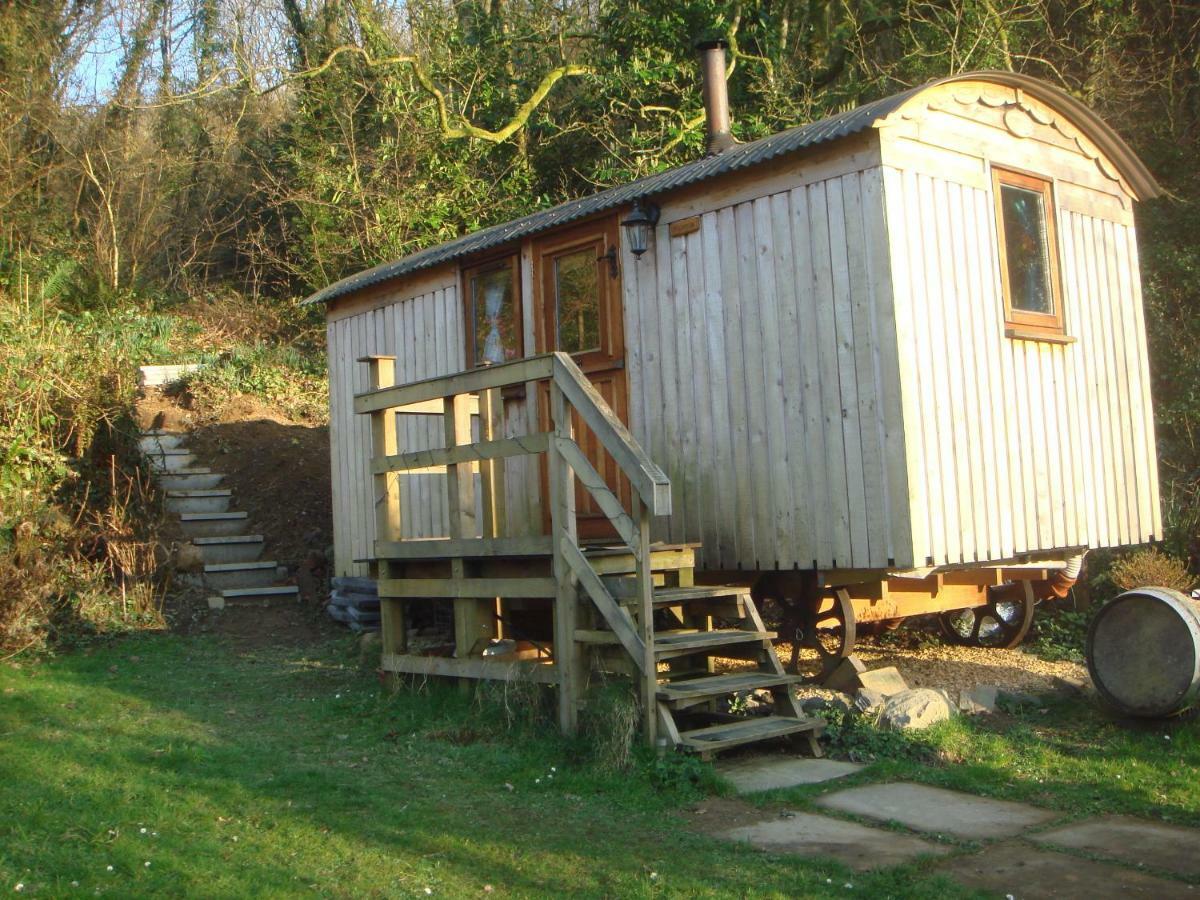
577, 287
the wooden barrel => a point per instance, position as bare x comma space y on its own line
1143, 652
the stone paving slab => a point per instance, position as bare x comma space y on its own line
1024, 873
854, 845
1166, 847
757, 773
937, 811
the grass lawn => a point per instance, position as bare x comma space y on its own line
163, 765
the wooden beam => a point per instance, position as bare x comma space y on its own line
615, 616
571, 663
647, 478
540, 673
465, 453
608, 502
479, 548
386, 492
466, 589
434, 407
645, 613
533, 368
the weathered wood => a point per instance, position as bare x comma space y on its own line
467, 453
533, 368
598, 488
448, 548
614, 615
645, 476
479, 620
520, 670
382, 373
645, 620
563, 532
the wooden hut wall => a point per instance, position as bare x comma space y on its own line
763, 378
425, 334
1018, 446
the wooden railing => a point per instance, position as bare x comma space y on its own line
457, 398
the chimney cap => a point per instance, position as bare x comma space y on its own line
714, 44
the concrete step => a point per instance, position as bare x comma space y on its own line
216, 524
211, 501
262, 596
197, 478
171, 460
229, 549
158, 441
230, 576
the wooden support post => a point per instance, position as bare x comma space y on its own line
386, 492
645, 610
491, 479
473, 617
568, 659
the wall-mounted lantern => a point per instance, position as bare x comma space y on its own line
638, 225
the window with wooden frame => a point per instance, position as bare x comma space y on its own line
492, 309
1028, 254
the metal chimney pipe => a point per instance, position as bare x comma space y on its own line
716, 95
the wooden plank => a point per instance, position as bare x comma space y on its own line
533, 368
664, 303
704, 369
1150, 512
742, 524
891, 298
797, 548
783, 531
683, 466
865, 348
614, 615
1102, 364
1121, 331
1075, 392
645, 476
467, 589
762, 505
644, 578
1089, 401
572, 669
837, 517
467, 453
608, 502
470, 668
448, 548
720, 543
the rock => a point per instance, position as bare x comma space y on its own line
216, 602
981, 699
827, 700
868, 700
1016, 698
188, 558
886, 681
915, 709
844, 677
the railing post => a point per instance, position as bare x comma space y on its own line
645, 608
386, 495
473, 617
491, 471
567, 658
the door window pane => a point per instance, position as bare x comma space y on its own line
1027, 248
494, 314
577, 297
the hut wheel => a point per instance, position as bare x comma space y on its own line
1001, 623
830, 633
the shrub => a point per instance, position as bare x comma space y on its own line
1151, 568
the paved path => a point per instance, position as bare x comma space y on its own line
1026, 852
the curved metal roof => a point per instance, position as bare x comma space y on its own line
744, 156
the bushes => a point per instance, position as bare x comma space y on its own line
76, 556
1150, 568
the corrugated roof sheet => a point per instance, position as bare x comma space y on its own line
739, 157
742, 156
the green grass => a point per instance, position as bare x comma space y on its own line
287, 772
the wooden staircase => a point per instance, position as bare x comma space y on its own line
629, 607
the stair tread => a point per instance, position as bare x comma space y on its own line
192, 494
212, 516
670, 595
191, 470
241, 566
713, 685
277, 591
685, 640
170, 451
230, 539
745, 731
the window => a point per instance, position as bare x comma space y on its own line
577, 294
493, 312
1028, 255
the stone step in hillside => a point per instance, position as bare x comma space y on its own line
230, 576
171, 460
231, 549
158, 441
263, 596
211, 501
215, 524
197, 478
